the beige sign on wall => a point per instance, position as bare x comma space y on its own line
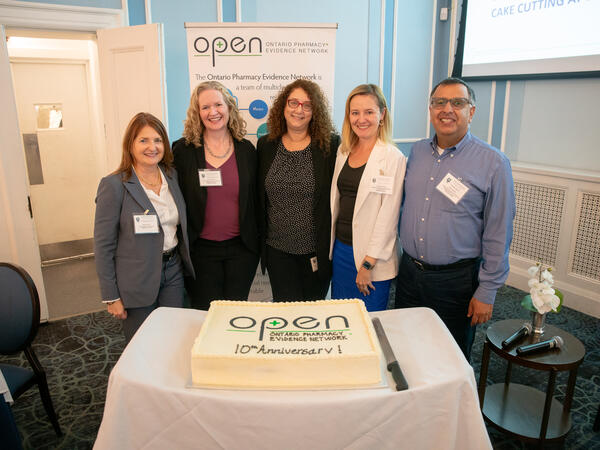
255, 61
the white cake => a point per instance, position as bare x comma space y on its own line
325, 343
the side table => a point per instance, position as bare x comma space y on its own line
523, 411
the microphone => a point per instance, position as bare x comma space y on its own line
525, 330
555, 342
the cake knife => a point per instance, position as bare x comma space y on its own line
392, 363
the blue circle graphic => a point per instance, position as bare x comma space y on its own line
258, 109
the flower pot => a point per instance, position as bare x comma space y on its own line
538, 322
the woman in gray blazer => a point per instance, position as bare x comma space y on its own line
140, 230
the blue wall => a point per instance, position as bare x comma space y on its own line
548, 122
173, 15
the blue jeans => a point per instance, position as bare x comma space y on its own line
448, 292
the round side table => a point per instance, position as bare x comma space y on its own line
523, 411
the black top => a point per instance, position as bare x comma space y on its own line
290, 188
347, 184
322, 166
189, 159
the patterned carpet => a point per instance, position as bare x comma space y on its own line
79, 352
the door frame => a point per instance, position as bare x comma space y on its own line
46, 17
50, 16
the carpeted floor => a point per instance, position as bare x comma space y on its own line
79, 352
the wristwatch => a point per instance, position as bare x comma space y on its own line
367, 265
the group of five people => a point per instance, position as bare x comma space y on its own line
312, 207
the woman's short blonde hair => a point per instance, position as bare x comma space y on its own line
193, 128
349, 138
139, 121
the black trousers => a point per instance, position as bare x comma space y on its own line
224, 271
447, 292
292, 278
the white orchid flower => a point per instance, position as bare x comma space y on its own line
547, 277
543, 296
532, 271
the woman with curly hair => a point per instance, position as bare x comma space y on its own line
366, 193
295, 166
217, 175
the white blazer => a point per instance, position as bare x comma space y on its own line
375, 219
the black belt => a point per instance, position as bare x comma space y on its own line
456, 265
169, 254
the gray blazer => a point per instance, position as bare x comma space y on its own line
129, 266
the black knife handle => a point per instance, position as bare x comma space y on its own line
398, 376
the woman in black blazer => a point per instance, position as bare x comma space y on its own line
295, 167
217, 175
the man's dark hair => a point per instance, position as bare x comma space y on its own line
453, 80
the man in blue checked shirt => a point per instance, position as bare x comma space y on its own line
456, 219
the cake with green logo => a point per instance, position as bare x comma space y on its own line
326, 343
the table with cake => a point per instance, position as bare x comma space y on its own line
290, 375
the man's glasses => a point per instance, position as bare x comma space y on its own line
293, 103
455, 103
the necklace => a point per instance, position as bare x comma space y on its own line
224, 155
158, 183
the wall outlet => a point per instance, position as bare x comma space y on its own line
443, 14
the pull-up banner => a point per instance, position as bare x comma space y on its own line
256, 60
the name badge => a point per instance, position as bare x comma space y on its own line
452, 188
145, 223
210, 177
314, 264
382, 185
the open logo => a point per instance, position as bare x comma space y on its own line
236, 46
278, 323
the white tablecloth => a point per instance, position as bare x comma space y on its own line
4, 391
149, 406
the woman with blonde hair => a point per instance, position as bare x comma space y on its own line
217, 175
366, 194
140, 229
295, 165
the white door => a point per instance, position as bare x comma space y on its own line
64, 187
132, 79
18, 241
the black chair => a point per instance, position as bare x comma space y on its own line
597, 421
19, 321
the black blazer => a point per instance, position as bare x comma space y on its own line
189, 159
323, 166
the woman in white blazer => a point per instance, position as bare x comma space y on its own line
366, 193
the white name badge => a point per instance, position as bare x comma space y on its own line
314, 264
382, 185
452, 188
145, 223
210, 177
